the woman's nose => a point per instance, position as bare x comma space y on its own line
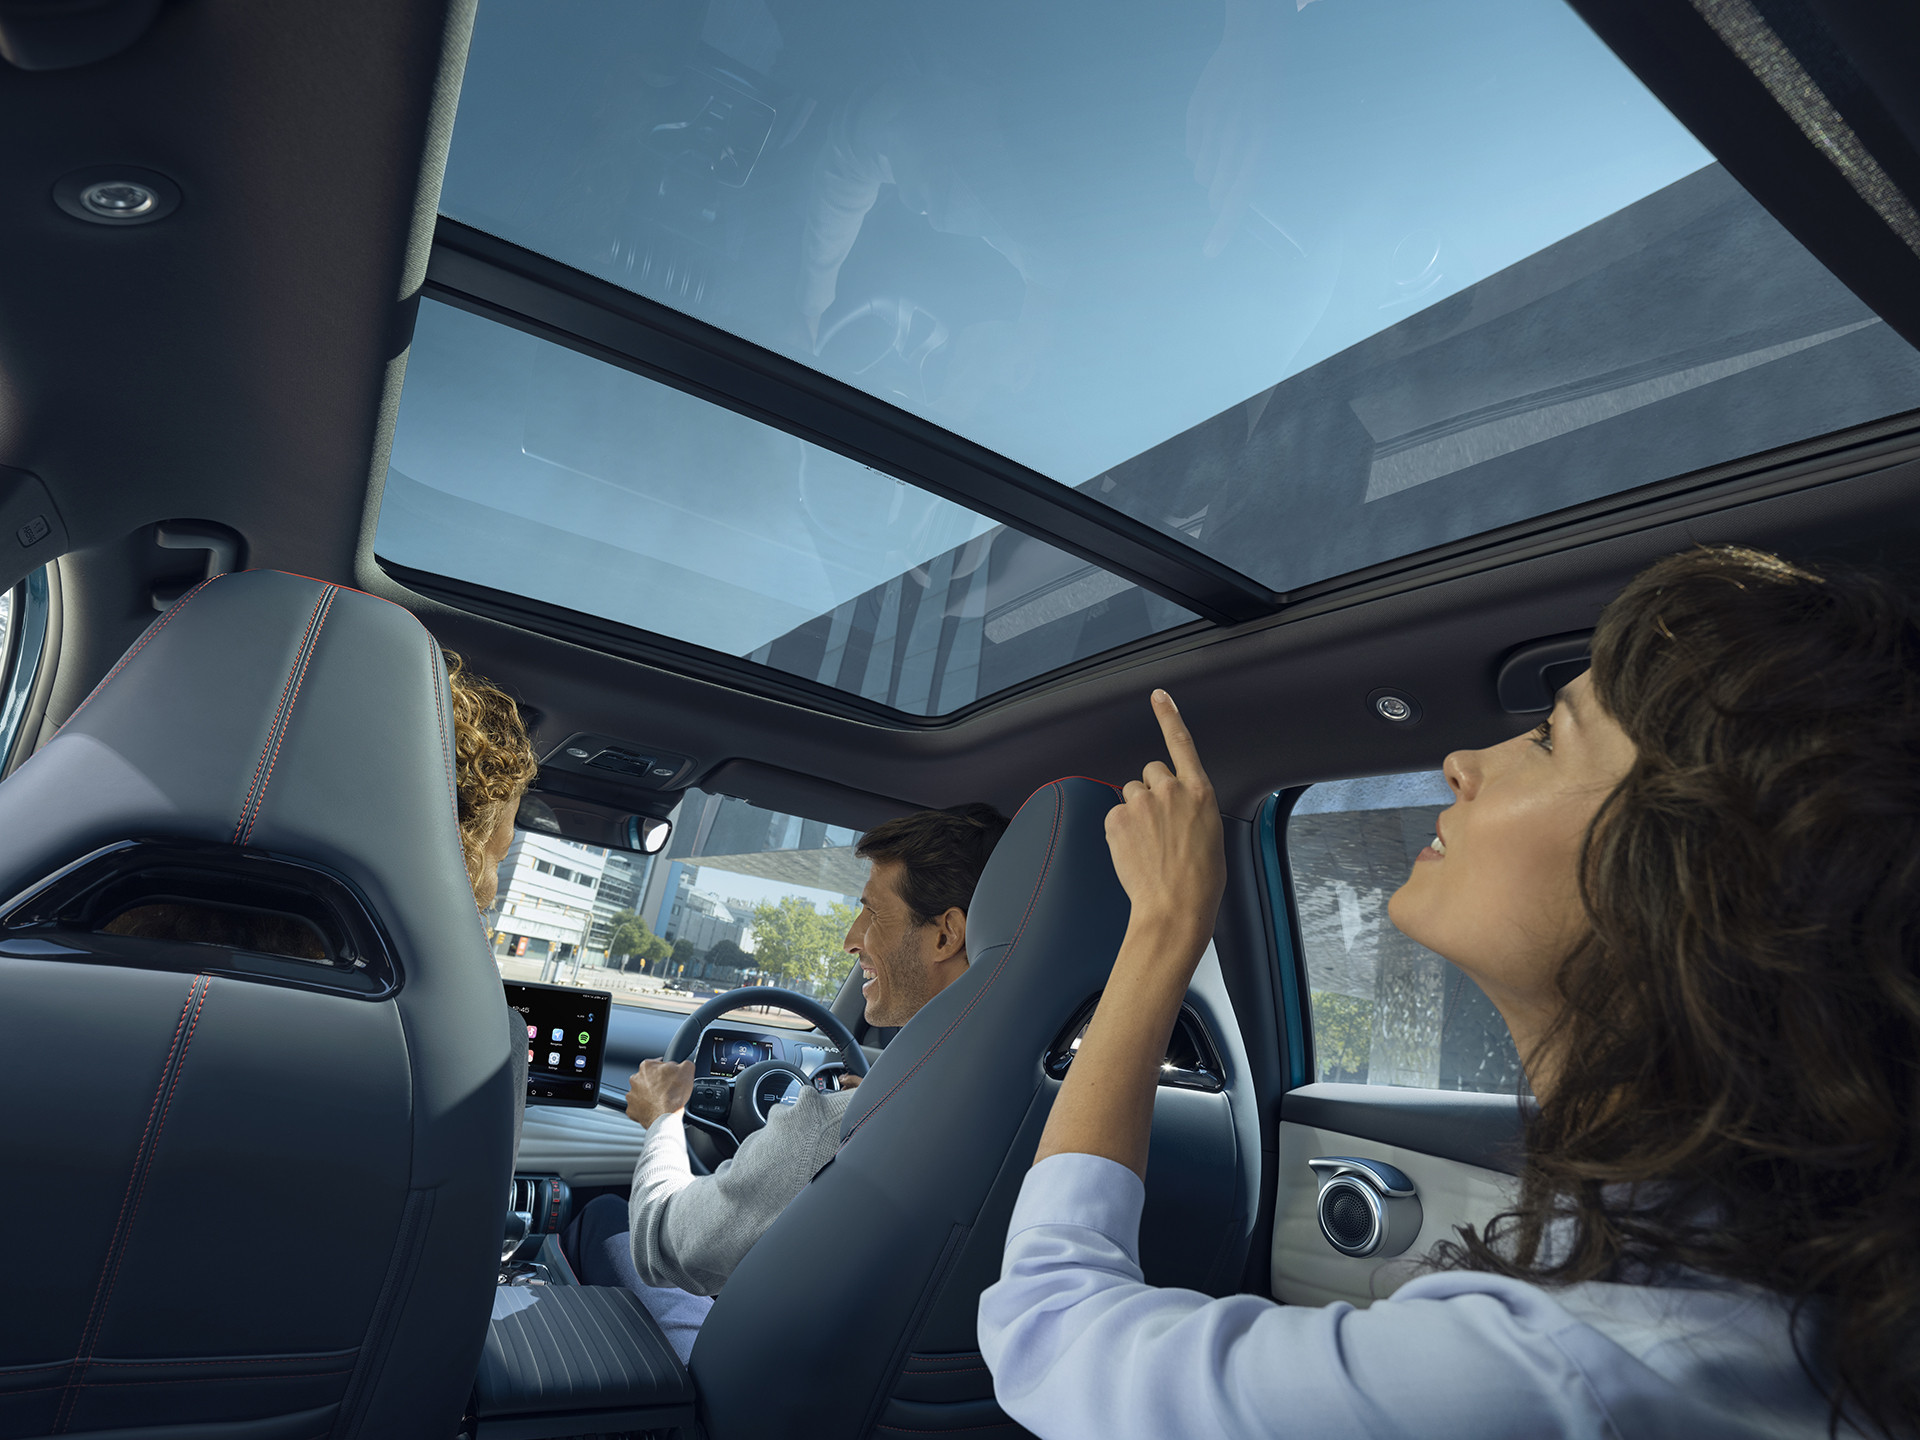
1462, 769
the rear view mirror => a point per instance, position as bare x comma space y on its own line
593, 824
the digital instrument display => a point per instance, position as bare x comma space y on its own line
566, 1038
728, 1056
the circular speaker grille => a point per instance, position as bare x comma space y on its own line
1347, 1216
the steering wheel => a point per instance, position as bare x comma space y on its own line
749, 1098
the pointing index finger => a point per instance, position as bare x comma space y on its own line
1180, 749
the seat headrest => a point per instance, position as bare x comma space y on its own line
1044, 925
273, 713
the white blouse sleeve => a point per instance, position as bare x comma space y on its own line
1080, 1346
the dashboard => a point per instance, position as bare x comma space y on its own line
727, 1050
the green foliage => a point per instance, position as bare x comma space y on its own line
796, 945
686, 953
1342, 1035
725, 952
633, 939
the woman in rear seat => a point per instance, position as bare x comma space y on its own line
493, 764
1693, 896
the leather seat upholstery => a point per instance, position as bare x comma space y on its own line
855, 1313
262, 1208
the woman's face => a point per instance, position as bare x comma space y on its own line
1497, 892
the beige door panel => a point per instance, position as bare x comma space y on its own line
1309, 1271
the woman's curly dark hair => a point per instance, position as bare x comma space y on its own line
1736, 1070
493, 761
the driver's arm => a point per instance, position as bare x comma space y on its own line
690, 1231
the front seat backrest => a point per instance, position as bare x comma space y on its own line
266, 1196
854, 1314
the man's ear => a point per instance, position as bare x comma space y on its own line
951, 937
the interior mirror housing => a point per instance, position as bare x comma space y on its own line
590, 823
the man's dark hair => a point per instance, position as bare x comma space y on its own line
943, 851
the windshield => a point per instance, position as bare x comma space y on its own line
742, 896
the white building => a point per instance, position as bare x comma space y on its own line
544, 910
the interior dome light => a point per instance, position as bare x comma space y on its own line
117, 195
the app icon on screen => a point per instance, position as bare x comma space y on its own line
579, 1062
533, 1032
557, 1033
529, 1057
585, 1037
553, 1057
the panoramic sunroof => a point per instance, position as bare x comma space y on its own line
529, 468
1340, 282
1347, 280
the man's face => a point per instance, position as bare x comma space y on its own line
905, 963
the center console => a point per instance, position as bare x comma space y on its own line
566, 1359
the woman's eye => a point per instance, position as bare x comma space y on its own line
1543, 736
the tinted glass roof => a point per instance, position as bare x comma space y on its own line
1306, 287
529, 468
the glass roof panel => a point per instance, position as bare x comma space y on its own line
528, 468
1311, 284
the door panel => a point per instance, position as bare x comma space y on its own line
1306, 1270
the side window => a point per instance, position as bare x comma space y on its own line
741, 896
24, 612
1385, 1011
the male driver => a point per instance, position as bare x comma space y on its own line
685, 1233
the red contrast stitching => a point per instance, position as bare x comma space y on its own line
138, 646
1059, 809
205, 984
88, 1332
440, 714
1108, 783
278, 739
248, 807
338, 586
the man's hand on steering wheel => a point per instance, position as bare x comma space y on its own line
658, 1087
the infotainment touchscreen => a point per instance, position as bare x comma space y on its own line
566, 1035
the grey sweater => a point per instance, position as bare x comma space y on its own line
690, 1231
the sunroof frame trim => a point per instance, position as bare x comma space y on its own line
1805, 465
714, 667
490, 277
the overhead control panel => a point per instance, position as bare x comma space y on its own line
599, 759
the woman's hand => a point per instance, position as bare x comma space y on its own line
1167, 849
657, 1087
1165, 835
